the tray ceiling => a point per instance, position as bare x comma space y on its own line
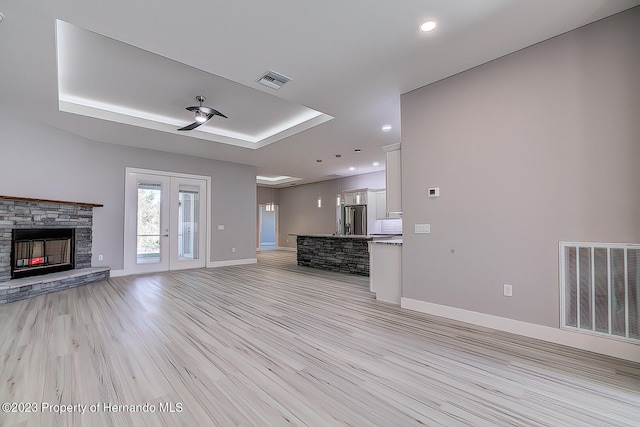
144, 89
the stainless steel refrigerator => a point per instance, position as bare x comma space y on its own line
355, 220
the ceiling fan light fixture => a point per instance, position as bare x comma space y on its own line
202, 114
201, 117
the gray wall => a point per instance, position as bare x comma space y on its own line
267, 195
298, 205
43, 162
537, 147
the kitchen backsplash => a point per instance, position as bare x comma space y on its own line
391, 226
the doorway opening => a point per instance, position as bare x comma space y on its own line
268, 229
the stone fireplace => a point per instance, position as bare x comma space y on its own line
43, 238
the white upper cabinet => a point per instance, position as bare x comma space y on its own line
357, 197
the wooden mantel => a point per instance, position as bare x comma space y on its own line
26, 199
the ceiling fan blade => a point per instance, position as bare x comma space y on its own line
192, 126
196, 108
211, 111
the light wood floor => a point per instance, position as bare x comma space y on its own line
274, 344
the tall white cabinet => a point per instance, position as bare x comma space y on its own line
394, 178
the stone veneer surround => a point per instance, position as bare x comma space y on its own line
335, 253
28, 287
17, 212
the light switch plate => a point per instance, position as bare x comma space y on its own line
508, 290
220, 227
423, 228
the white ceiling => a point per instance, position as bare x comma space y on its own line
350, 60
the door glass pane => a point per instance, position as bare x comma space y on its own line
188, 222
148, 230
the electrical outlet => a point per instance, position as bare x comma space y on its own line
233, 250
508, 290
100, 258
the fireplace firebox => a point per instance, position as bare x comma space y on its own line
36, 251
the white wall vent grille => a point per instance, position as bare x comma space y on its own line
273, 80
600, 288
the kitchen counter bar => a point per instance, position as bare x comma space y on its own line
336, 236
393, 241
345, 254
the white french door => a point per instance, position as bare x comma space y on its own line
165, 221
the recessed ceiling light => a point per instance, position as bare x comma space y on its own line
352, 168
386, 128
427, 26
1, 16
338, 155
319, 160
357, 150
376, 163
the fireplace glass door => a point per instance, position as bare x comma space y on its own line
38, 251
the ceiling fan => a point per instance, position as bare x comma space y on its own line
203, 114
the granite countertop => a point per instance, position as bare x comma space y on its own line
333, 236
397, 242
374, 237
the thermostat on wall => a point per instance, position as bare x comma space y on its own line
434, 192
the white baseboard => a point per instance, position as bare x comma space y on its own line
210, 264
118, 273
576, 339
214, 264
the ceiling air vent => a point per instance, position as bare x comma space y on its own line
273, 79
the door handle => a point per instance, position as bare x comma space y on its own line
165, 235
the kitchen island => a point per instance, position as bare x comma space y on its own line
345, 254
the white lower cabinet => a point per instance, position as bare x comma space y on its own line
385, 270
